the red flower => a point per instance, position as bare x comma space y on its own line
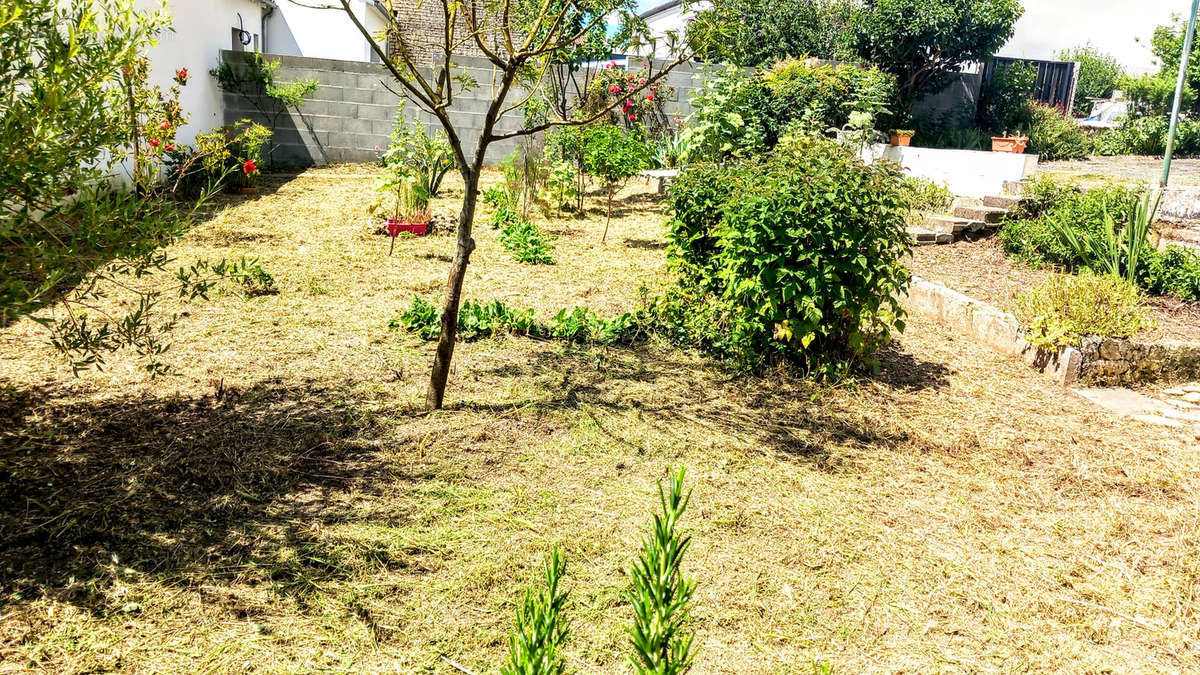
632, 116
165, 125
249, 167
170, 147
649, 97
181, 76
154, 142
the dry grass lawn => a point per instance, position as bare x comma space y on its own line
284, 505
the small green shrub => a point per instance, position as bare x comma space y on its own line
1054, 136
1148, 136
417, 153
1065, 308
526, 242
1032, 233
660, 593
802, 265
614, 156
1153, 95
233, 153
1174, 271
925, 195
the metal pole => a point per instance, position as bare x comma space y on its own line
1183, 65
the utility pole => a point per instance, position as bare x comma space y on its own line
1183, 65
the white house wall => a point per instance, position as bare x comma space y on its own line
298, 30
200, 31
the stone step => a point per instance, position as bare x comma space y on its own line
922, 236
952, 225
1015, 188
988, 214
1005, 202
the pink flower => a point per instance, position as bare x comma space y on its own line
629, 102
642, 81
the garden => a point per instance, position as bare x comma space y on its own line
439, 414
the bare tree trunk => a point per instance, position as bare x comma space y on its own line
453, 297
607, 220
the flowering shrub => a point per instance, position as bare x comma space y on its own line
637, 104
795, 259
233, 152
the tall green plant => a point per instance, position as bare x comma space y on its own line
1099, 74
536, 643
1115, 249
662, 645
413, 150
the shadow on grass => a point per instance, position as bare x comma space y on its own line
167, 486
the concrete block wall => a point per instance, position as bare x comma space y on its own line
352, 112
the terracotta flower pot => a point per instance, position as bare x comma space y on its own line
1013, 144
903, 140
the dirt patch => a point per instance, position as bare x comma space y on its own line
981, 270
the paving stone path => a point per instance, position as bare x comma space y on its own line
1177, 407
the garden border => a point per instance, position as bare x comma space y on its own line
1106, 361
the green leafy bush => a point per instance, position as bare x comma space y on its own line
614, 156
926, 196
1148, 136
1032, 231
414, 151
739, 115
526, 242
1067, 307
233, 153
1175, 270
1053, 136
802, 265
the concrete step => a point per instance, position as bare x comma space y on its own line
922, 236
952, 225
1005, 202
1015, 188
988, 214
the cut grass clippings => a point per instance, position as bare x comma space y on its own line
285, 505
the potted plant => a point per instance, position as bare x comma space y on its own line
902, 137
1009, 143
409, 208
232, 154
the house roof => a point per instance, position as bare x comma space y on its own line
659, 9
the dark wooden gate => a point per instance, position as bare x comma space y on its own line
1055, 83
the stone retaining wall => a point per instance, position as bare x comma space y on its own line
1111, 361
1102, 361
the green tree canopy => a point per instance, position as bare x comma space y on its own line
922, 43
755, 32
1099, 74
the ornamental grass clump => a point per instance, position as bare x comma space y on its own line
1065, 308
795, 259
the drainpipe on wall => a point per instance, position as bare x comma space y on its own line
270, 9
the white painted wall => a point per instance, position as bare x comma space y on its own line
672, 19
201, 29
297, 30
968, 173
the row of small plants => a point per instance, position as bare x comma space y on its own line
478, 320
1104, 239
661, 640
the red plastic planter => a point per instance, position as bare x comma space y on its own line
395, 227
